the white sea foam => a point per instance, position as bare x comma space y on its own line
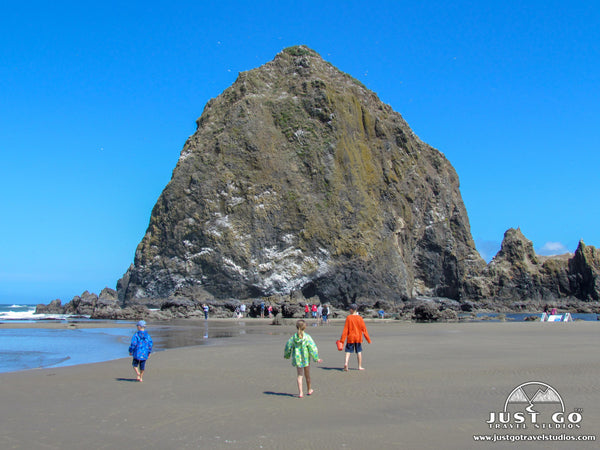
26, 313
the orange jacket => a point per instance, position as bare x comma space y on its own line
354, 328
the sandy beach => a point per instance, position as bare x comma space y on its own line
425, 386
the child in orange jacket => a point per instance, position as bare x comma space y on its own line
354, 328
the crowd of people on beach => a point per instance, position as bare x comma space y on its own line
300, 347
318, 312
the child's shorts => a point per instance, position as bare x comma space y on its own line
139, 362
354, 348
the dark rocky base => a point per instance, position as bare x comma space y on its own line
106, 306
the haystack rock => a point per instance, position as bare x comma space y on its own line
298, 178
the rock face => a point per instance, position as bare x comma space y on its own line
54, 307
300, 178
516, 272
584, 273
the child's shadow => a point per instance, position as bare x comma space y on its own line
131, 380
339, 369
281, 394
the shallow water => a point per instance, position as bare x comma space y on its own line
28, 348
184, 333
31, 348
520, 317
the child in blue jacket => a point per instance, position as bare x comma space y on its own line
140, 349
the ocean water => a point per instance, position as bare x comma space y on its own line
31, 348
26, 348
520, 317
25, 313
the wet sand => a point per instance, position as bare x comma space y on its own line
425, 386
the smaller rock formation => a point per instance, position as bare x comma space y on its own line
584, 273
517, 273
54, 307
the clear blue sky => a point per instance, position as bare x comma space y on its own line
97, 100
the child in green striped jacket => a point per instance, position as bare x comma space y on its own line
301, 348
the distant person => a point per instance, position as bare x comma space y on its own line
306, 311
381, 314
205, 309
262, 310
270, 311
140, 348
354, 328
325, 313
243, 310
313, 310
301, 348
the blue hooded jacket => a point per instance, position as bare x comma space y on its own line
141, 345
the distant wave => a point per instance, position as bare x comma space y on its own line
26, 313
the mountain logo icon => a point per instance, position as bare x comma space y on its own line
534, 393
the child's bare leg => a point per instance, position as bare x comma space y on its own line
137, 373
307, 375
359, 356
141, 375
347, 360
299, 370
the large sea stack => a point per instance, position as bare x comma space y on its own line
298, 178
